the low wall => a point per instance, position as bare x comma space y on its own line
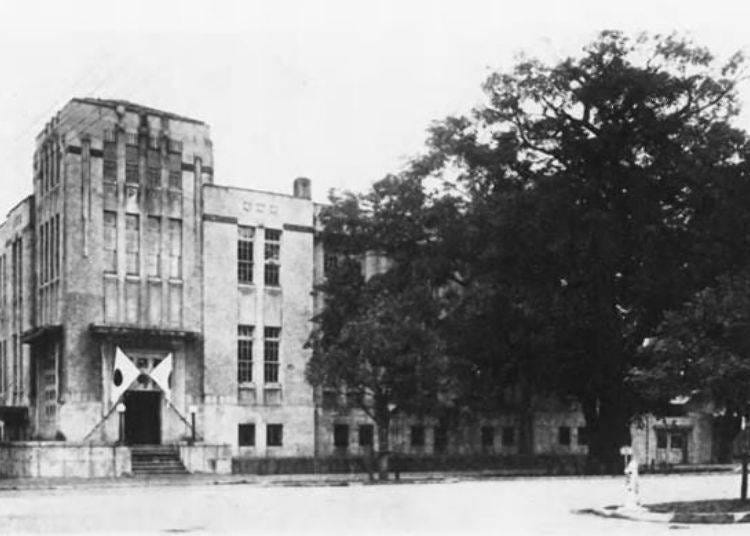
539, 464
206, 458
49, 459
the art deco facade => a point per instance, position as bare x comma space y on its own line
126, 242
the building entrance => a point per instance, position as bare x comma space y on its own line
142, 417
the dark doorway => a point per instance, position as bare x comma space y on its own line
142, 417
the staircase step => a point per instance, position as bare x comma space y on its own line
156, 460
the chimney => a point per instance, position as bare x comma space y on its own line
302, 188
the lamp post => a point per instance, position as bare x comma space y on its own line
193, 410
121, 412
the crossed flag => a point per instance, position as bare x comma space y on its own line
125, 373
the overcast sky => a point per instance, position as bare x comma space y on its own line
338, 91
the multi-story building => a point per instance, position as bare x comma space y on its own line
127, 246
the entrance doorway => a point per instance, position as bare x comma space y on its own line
142, 417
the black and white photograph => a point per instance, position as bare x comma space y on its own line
374, 268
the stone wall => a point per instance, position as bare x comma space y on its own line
32, 459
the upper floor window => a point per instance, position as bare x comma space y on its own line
273, 257
131, 164
175, 248
153, 168
271, 338
245, 254
175, 170
153, 246
110, 161
132, 243
110, 241
244, 354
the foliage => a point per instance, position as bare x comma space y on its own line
593, 191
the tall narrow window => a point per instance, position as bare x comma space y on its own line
175, 171
132, 243
110, 241
273, 257
110, 161
2, 366
153, 246
245, 254
153, 168
131, 164
175, 248
56, 249
244, 354
271, 337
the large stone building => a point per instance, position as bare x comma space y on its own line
127, 244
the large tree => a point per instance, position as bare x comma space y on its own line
591, 191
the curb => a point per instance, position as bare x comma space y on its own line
643, 514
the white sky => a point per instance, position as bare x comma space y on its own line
338, 91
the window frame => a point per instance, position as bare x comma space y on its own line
245, 338
274, 431
246, 439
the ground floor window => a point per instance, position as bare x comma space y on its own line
365, 435
563, 435
417, 436
246, 433
341, 436
509, 436
488, 436
583, 435
274, 435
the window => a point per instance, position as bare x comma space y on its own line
272, 254
330, 261
677, 440
110, 241
244, 354
509, 436
2, 366
417, 436
175, 248
274, 435
563, 435
110, 161
661, 439
366, 434
153, 168
175, 170
271, 338
341, 436
583, 435
245, 254
488, 436
441, 439
153, 246
246, 435
131, 164
132, 244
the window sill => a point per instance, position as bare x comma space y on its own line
132, 277
175, 280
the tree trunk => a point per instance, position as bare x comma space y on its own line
743, 484
526, 418
383, 449
608, 427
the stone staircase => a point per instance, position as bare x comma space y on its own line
156, 460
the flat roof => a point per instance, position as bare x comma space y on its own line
133, 107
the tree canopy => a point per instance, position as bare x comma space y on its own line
566, 215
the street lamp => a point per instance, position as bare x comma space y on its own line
193, 410
121, 411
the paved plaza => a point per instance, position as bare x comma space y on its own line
499, 506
